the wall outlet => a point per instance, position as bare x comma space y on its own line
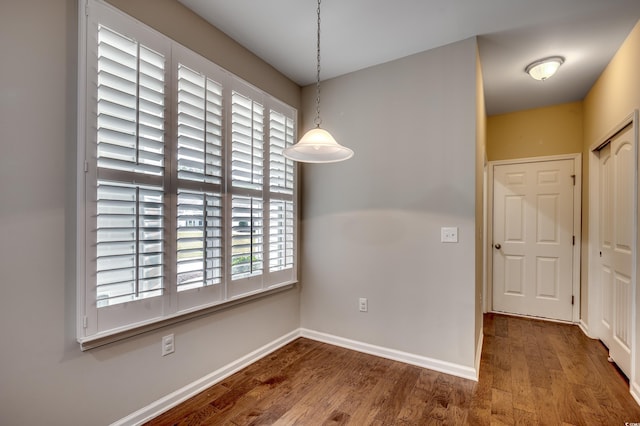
448, 235
168, 345
363, 304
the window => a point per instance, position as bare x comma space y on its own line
185, 200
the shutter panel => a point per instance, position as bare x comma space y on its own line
130, 144
246, 237
281, 237
129, 243
199, 242
247, 142
130, 105
199, 212
280, 168
281, 184
199, 127
247, 174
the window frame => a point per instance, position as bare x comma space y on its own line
97, 326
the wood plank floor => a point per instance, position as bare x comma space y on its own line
532, 373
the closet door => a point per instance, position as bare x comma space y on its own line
616, 245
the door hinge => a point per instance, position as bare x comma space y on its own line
85, 322
86, 166
574, 240
572, 300
574, 179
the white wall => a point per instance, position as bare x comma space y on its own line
371, 225
44, 377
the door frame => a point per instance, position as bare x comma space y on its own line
577, 231
592, 327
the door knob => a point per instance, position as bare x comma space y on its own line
498, 246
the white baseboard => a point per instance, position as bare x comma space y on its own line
165, 403
635, 392
408, 358
585, 328
479, 354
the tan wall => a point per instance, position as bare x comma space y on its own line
536, 132
615, 95
547, 131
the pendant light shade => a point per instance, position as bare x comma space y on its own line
317, 145
544, 68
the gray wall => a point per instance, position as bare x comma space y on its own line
371, 225
44, 378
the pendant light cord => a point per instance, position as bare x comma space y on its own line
318, 120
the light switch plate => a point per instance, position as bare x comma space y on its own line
449, 235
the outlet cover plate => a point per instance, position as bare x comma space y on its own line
168, 345
449, 235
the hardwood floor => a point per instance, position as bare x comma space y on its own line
532, 373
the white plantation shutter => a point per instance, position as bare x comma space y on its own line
130, 105
281, 235
199, 127
128, 225
247, 155
281, 136
129, 243
199, 256
247, 178
199, 245
247, 237
281, 188
186, 200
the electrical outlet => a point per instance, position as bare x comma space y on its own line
168, 345
364, 305
448, 235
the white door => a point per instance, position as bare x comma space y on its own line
616, 246
533, 238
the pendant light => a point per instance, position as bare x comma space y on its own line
317, 145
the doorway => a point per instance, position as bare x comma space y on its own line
534, 264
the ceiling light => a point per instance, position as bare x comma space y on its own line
544, 68
317, 145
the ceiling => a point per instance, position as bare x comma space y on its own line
360, 33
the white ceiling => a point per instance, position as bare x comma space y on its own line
360, 33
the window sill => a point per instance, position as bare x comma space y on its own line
112, 336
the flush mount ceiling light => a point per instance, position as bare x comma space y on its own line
544, 68
317, 145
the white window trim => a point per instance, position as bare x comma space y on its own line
170, 311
